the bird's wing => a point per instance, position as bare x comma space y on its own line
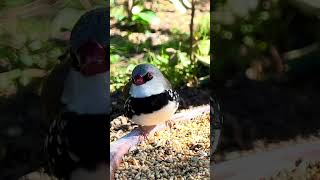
52, 89
126, 95
126, 90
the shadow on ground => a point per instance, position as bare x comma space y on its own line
267, 111
22, 135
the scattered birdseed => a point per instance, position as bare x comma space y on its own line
302, 170
120, 126
182, 152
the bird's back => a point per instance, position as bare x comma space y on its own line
52, 89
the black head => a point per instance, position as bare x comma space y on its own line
89, 41
90, 59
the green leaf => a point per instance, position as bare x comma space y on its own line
54, 52
184, 59
205, 60
118, 13
7, 78
40, 61
204, 47
25, 58
148, 16
35, 45
114, 58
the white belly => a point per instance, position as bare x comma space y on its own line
156, 117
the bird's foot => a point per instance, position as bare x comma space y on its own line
145, 130
169, 124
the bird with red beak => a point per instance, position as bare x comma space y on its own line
151, 100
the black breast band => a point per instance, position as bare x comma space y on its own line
137, 106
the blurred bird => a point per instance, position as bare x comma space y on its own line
76, 102
216, 123
150, 99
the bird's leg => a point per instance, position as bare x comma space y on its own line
169, 124
146, 130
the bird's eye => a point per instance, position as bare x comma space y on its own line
148, 76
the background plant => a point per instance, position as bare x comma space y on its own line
33, 35
247, 37
133, 42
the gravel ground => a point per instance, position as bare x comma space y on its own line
178, 153
311, 172
300, 161
262, 146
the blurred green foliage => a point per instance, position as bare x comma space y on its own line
249, 26
171, 56
32, 41
33, 35
245, 31
136, 16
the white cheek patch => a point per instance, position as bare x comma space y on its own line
156, 117
87, 95
150, 88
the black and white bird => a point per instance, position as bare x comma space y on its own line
150, 97
76, 101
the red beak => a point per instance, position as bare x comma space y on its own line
93, 59
138, 80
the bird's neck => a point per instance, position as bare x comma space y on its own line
86, 95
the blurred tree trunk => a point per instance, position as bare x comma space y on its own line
191, 30
129, 7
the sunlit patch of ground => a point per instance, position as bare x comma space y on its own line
180, 153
